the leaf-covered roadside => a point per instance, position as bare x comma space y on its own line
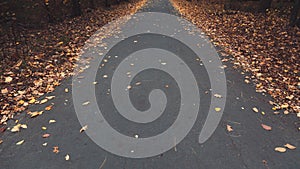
53, 53
263, 44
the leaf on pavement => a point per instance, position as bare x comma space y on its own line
34, 114
46, 135
280, 149
55, 149
52, 121
229, 128
266, 127
255, 109
217, 109
67, 157
83, 128
20, 142
16, 128
289, 146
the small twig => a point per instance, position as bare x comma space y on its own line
102, 165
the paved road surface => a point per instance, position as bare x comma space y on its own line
248, 146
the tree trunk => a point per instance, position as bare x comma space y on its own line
265, 4
76, 11
294, 13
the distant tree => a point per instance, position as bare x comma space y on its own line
294, 14
265, 4
76, 11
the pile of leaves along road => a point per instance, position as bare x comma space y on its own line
52, 58
263, 44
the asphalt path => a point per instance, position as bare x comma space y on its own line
248, 146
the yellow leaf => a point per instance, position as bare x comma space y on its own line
217, 109
32, 101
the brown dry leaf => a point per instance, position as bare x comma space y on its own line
55, 149
46, 135
280, 149
289, 146
48, 108
83, 128
34, 114
266, 127
229, 128
1, 141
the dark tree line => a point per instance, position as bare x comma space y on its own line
262, 6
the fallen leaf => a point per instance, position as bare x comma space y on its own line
55, 149
255, 109
67, 157
229, 128
83, 128
20, 142
16, 128
36, 113
266, 127
4, 91
51, 121
217, 109
218, 95
280, 149
46, 135
48, 108
45, 144
66, 90
85, 103
32, 101
50, 97
24, 126
1, 141
289, 146
8, 79
44, 128
43, 101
